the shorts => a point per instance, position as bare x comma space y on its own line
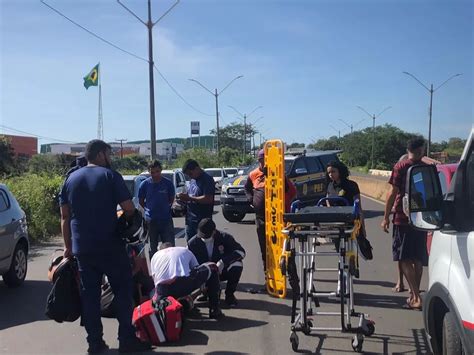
409, 244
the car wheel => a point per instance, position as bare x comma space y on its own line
233, 216
17, 272
451, 340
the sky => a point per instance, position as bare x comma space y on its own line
308, 63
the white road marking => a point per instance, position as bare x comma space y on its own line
373, 199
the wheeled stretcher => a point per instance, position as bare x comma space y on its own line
306, 230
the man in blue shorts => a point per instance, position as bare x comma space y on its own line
156, 195
200, 197
89, 199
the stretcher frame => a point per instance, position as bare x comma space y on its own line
302, 244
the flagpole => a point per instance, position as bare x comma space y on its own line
100, 123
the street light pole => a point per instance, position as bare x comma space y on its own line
216, 95
431, 91
245, 116
149, 25
374, 117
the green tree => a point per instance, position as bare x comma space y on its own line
7, 161
50, 164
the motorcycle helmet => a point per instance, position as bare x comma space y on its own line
131, 229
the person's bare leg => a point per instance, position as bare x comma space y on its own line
399, 287
410, 275
418, 272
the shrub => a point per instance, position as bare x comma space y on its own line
37, 196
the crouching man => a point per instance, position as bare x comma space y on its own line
176, 273
221, 248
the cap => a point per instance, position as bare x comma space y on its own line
205, 228
261, 154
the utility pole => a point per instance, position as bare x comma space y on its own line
245, 116
149, 25
121, 146
216, 95
431, 91
374, 117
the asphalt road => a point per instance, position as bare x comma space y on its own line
259, 326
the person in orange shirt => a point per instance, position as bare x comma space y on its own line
255, 191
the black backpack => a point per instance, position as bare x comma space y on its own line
64, 301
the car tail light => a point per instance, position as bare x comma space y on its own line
429, 239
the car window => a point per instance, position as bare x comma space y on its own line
288, 166
4, 201
168, 176
214, 173
179, 179
442, 180
326, 159
299, 164
314, 165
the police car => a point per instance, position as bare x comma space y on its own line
307, 170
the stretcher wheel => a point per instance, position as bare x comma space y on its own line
370, 329
295, 342
357, 343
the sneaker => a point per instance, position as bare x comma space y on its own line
134, 345
97, 348
215, 313
231, 301
202, 298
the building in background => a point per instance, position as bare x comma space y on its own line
22, 146
164, 150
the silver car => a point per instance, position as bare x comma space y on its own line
14, 244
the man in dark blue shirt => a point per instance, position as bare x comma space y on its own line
89, 199
156, 195
200, 197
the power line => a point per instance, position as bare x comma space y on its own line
92, 33
126, 52
178, 94
35, 135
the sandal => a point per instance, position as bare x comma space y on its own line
398, 289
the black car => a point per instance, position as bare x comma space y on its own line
308, 172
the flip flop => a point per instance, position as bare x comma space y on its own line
409, 306
398, 289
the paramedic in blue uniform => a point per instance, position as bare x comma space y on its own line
89, 199
156, 195
200, 197
221, 248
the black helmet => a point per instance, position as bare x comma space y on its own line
131, 229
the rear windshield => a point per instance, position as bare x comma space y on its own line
326, 159
231, 171
214, 173
130, 186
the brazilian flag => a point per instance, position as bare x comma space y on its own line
92, 79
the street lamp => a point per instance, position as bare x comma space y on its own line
431, 91
352, 126
216, 94
373, 116
245, 116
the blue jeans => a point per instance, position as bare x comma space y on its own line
116, 266
191, 229
160, 231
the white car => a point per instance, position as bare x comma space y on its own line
448, 305
218, 174
14, 244
231, 172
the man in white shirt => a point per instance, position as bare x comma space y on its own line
176, 273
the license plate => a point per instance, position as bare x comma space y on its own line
240, 199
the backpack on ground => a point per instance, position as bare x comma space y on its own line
64, 302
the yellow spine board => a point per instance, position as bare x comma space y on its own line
274, 208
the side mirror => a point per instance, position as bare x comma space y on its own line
301, 171
423, 200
